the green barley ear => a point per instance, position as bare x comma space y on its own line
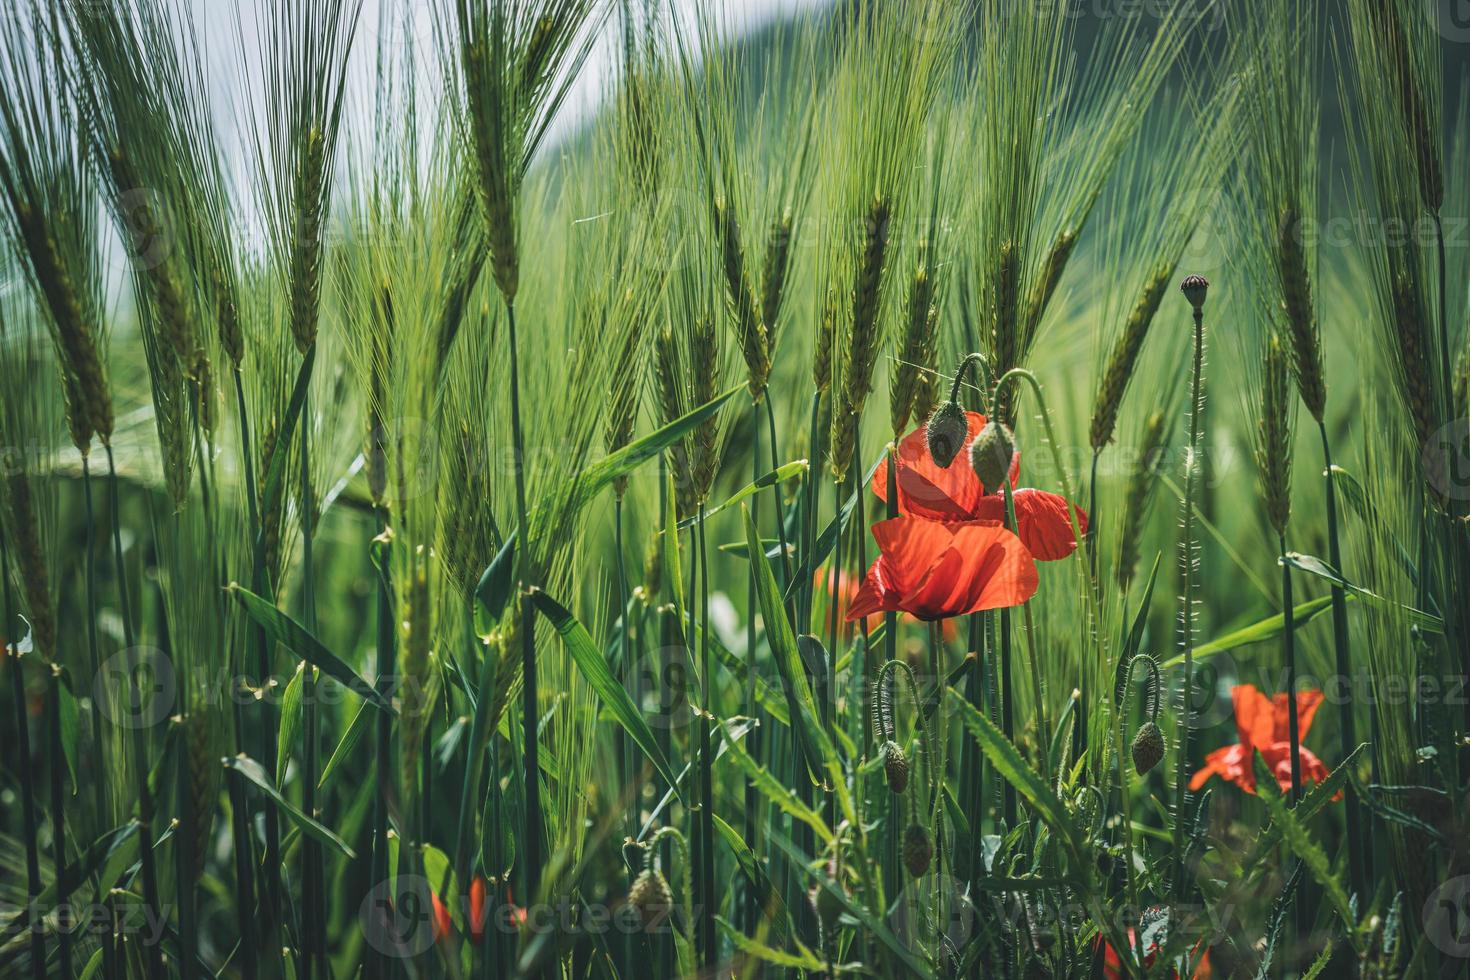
826, 336
1005, 328
1123, 360
749, 330
775, 272
47, 189
864, 336
1410, 43
1301, 318
23, 531
512, 66
203, 745
1142, 483
704, 357
916, 351
1274, 434
1045, 286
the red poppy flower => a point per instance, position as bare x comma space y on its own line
848, 587
955, 494
477, 910
441, 918
1263, 726
1113, 965
935, 570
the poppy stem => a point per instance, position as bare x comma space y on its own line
962, 371
1186, 613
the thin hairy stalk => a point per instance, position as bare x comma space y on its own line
1186, 612
25, 774
379, 963
751, 908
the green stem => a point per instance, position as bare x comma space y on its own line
313, 899
751, 909
708, 949
1293, 723
23, 750
380, 964
1186, 614
58, 818
1347, 726
776, 495
530, 695
243, 846
140, 749
99, 784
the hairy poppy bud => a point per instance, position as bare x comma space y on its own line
1148, 747
918, 850
991, 455
946, 432
1195, 288
651, 897
826, 906
895, 766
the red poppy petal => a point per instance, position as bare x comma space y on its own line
925, 489
909, 547
1307, 703
987, 567
1254, 716
871, 597
1045, 525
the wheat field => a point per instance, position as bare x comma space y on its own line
643, 489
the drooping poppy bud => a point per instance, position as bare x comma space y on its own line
651, 897
1195, 289
991, 453
895, 766
918, 850
477, 910
1148, 748
946, 432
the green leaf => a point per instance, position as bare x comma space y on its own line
284, 630
801, 707
1294, 834
497, 583
1316, 566
784, 797
290, 720
1015, 770
803, 959
275, 476
345, 746
498, 841
755, 874
781, 475
623, 462
98, 855
253, 771
1267, 629
595, 672
66, 703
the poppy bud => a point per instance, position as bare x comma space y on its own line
651, 897
1195, 288
441, 918
991, 455
826, 906
477, 910
895, 766
946, 432
1148, 747
918, 850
